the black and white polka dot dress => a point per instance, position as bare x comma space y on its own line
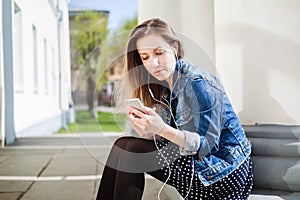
237, 185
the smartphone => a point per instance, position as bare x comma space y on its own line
136, 103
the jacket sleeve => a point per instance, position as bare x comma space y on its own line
192, 143
206, 102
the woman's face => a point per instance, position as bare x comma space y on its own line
158, 56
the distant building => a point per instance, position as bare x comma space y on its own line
34, 68
113, 73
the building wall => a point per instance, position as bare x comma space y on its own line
65, 56
257, 55
36, 105
252, 45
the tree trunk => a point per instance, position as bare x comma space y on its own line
91, 96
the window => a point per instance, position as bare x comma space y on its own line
111, 71
35, 59
53, 75
17, 49
45, 66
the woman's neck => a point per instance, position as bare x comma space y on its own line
170, 82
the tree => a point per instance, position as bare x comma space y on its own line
88, 35
113, 57
121, 37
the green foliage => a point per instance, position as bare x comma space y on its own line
94, 52
122, 36
114, 49
105, 122
90, 31
129, 24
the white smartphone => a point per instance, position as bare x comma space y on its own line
136, 103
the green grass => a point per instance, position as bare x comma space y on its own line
104, 123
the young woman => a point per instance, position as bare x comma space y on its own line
190, 137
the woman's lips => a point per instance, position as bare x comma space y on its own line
157, 72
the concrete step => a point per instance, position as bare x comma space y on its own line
276, 155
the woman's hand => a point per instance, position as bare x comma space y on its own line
145, 124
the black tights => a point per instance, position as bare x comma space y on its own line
123, 175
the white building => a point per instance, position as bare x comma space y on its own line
34, 66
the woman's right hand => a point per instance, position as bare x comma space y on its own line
132, 117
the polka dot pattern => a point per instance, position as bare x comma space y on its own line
237, 185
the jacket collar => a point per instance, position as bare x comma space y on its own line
177, 80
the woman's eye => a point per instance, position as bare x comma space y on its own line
160, 52
144, 57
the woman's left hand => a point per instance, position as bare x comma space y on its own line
146, 124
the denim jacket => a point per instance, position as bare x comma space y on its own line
213, 133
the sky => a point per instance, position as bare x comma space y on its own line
119, 10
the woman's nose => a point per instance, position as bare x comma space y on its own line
155, 62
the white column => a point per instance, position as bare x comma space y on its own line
257, 55
168, 10
9, 126
193, 20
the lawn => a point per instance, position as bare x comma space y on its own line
104, 123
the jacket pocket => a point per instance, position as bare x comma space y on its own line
229, 153
184, 115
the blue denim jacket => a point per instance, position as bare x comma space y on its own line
214, 135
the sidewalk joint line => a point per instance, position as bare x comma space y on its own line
56, 178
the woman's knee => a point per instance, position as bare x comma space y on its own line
139, 145
121, 142
133, 144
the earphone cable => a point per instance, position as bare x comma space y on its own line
169, 168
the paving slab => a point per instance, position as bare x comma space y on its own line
75, 153
10, 195
24, 165
152, 187
99, 151
82, 153
61, 190
14, 186
71, 167
3, 157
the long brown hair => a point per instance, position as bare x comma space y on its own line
138, 78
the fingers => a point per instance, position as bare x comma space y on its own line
151, 111
147, 123
140, 122
137, 112
139, 128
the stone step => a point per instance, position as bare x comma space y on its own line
272, 131
152, 188
276, 173
276, 155
288, 148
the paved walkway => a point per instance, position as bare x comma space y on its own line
63, 167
